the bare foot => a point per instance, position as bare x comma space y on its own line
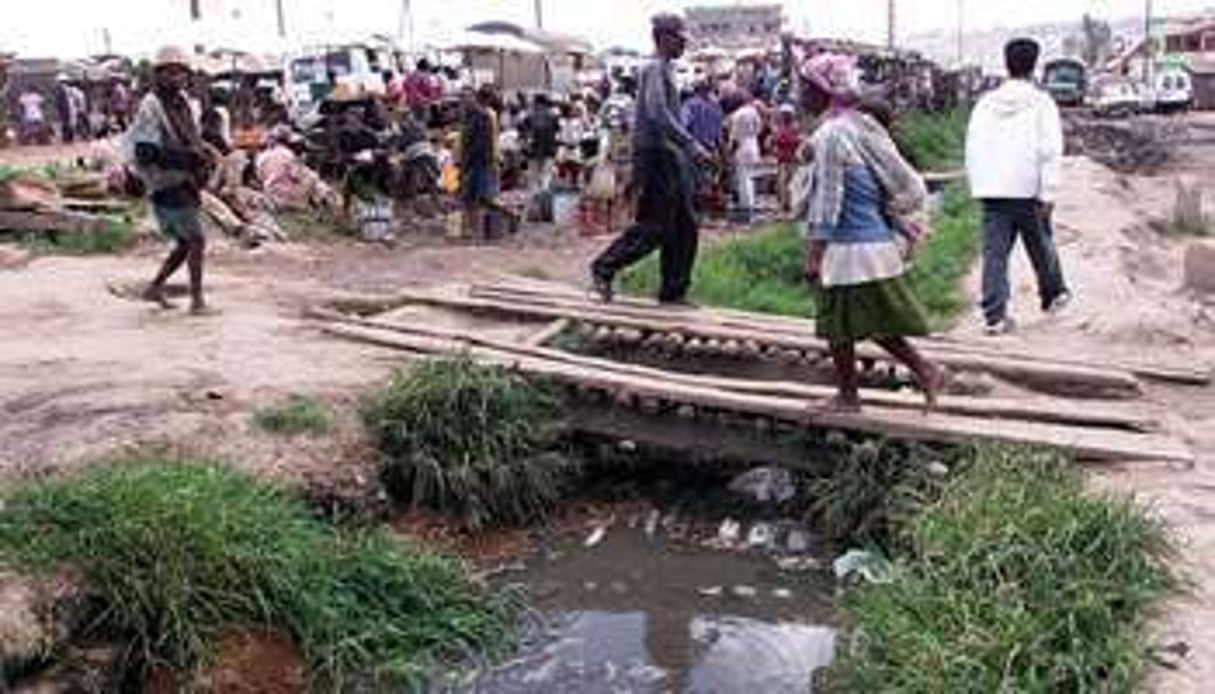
933, 386
157, 296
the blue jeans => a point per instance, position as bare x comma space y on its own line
1003, 222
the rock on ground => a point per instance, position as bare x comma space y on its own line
1200, 267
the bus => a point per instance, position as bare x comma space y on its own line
1066, 80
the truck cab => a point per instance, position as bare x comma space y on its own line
313, 75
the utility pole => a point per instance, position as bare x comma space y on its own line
282, 19
1149, 42
961, 33
406, 20
195, 10
890, 23
539, 14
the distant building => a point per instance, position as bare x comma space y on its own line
736, 26
1193, 36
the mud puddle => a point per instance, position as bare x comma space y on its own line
652, 612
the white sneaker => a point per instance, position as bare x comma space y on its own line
1002, 327
1059, 303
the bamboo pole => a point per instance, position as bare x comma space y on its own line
1035, 409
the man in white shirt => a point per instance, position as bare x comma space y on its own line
1014, 152
746, 125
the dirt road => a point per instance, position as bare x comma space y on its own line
83, 373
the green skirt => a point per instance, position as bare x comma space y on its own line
885, 308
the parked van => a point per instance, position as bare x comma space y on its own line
1174, 90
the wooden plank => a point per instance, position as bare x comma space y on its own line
550, 332
51, 222
1054, 376
570, 297
693, 439
1086, 444
1036, 409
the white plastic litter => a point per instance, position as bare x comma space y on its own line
766, 485
871, 567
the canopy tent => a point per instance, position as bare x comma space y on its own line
475, 40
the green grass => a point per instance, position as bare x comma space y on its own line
759, 272
762, 272
947, 257
874, 489
470, 441
298, 415
118, 235
933, 142
178, 550
311, 227
1016, 580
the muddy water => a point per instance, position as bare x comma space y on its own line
640, 613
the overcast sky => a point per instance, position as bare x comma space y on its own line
71, 28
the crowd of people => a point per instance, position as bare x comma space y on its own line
73, 110
686, 152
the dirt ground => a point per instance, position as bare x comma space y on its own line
83, 374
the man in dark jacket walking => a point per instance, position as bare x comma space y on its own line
664, 154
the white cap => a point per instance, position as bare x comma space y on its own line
172, 55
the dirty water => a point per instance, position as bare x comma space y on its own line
642, 613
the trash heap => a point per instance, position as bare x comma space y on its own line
1132, 146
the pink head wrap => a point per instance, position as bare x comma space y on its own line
835, 74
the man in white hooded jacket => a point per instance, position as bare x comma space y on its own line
1014, 151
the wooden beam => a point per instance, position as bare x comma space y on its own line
694, 440
551, 331
1051, 410
1058, 377
51, 222
640, 308
1086, 444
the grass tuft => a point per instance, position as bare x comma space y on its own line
1017, 579
179, 550
471, 441
298, 415
933, 142
873, 491
118, 235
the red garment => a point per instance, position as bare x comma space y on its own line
422, 89
787, 141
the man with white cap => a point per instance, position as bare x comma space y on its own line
663, 155
172, 160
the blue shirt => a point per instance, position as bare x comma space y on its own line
656, 124
861, 217
703, 118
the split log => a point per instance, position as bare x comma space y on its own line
54, 222
1049, 376
549, 333
1087, 444
796, 327
1036, 409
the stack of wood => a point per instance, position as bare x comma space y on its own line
1094, 429
76, 204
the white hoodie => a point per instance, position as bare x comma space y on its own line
1014, 148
